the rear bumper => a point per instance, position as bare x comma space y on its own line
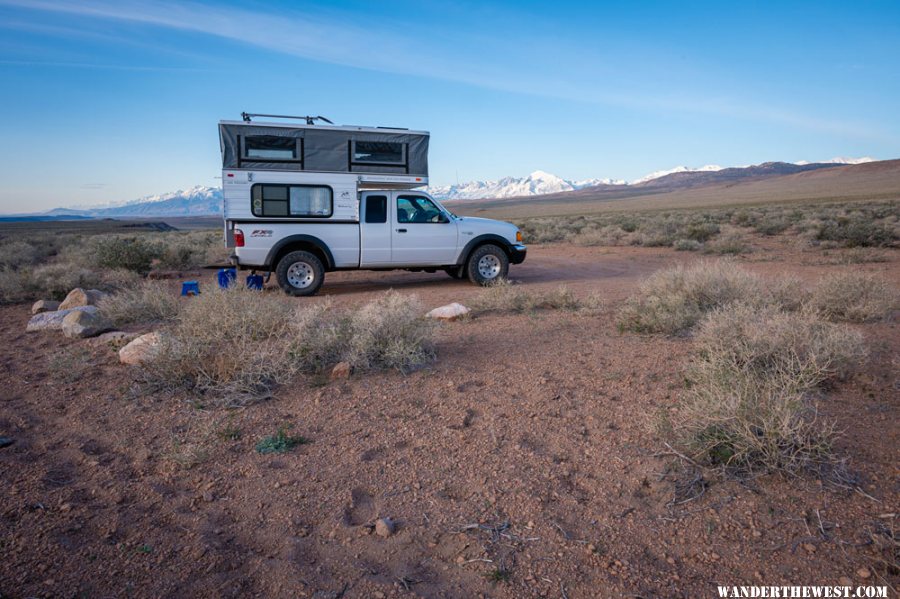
517, 253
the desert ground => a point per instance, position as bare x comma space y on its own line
525, 460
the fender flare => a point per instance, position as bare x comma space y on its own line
308, 239
481, 240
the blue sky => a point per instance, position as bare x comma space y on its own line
107, 100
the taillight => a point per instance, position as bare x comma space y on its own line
238, 238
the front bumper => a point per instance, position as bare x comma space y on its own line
517, 253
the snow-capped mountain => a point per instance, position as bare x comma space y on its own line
678, 169
207, 201
196, 201
541, 182
537, 183
839, 160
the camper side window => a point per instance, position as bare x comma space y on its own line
270, 147
378, 152
310, 201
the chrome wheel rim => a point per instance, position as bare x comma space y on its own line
300, 275
489, 266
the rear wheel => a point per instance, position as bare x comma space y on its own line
487, 264
300, 273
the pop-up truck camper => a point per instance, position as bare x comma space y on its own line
303, 199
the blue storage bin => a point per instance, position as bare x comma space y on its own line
190, 288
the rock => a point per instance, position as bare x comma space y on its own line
81, 297
114, 338
49, 321
385, 527
6, 441
80, 324
141, 349
845, 582
863, 573
449, 312
341, 370
44, 306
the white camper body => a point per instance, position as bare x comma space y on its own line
300, 224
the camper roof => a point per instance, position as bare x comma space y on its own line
323, 148
359, 128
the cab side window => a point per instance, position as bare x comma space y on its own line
376, 209
418, 209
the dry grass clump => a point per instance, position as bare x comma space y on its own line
748, 406
506, 297
235, 346
16, 254
388, 333
854, 297
231, 346
148, 301
674, 300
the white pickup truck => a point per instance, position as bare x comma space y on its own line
305, 200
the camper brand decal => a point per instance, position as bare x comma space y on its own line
261, 233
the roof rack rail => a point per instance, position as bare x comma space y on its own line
310, 120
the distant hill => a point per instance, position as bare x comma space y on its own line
196, 201
770, 183
539, 187
689, 179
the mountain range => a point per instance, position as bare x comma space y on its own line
207, 201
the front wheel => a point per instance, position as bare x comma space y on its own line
487, 264
300, 273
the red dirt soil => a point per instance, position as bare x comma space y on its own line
538, 427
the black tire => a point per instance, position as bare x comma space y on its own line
456, 272
487, 264
300, 273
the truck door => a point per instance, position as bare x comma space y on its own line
422, 235
374, 229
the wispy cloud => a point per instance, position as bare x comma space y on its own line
474, 59
91, 65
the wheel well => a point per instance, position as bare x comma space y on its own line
304, 246
482, 244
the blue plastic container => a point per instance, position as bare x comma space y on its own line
255, 282
227, 277
190, 288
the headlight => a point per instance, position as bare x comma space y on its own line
519, 236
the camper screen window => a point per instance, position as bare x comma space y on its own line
378, 152
309, 201
268, 147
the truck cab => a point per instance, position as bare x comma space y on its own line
301, 201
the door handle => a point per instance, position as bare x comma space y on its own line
401, 230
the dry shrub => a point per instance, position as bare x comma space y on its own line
608, 235
57, 279
728, 243
506, 297
229, 345
16, 254
236, 346
748, 406
674, 300
687, 245
14, 286
388, 333
147, 301
854, 297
